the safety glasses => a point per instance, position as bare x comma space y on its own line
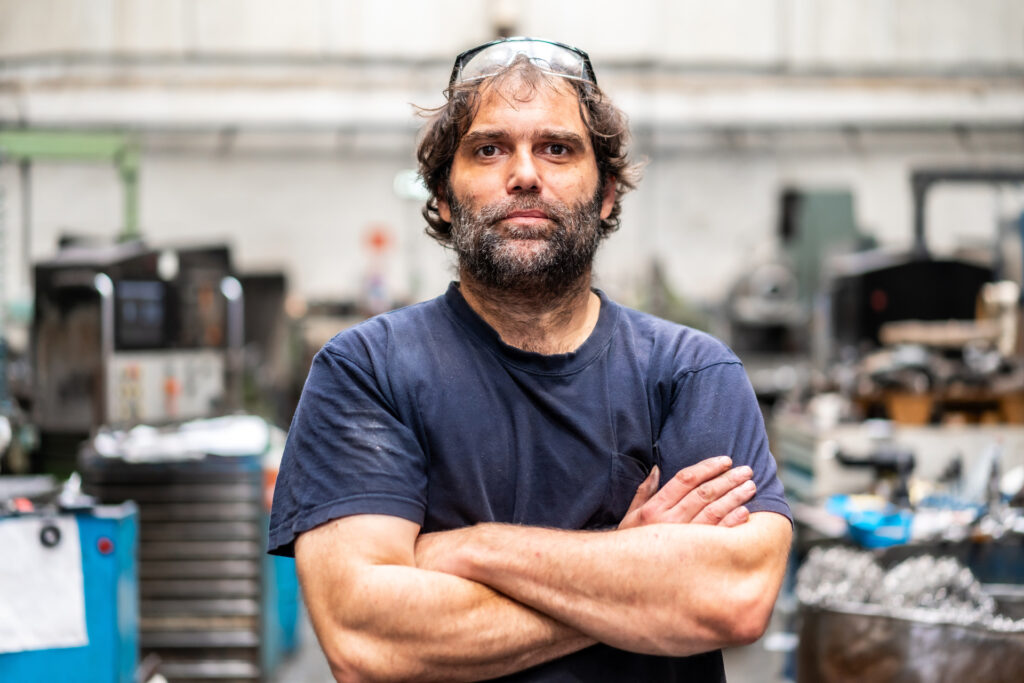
551, 57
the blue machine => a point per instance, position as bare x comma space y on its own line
213, 604
282, 603
108, 537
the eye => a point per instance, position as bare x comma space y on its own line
487, 150
558, 149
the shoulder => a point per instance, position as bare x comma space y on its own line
672, 346
400, 331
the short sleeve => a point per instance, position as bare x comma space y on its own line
714, 412
347, 453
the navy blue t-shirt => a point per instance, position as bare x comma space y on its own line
425, 414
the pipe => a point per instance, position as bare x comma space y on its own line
105, 287
25, 172
922, 180
231, 288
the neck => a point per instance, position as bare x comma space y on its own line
533, 320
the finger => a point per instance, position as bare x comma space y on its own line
738, 516
708, 493
689, 478
719, 510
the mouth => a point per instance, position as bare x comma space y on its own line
531, 213
527, 223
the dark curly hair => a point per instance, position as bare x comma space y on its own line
440, 138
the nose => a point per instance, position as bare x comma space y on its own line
522, 176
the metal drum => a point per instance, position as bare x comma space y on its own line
847, 646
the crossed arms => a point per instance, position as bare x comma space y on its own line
688, 570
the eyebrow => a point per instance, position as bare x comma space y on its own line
495, 134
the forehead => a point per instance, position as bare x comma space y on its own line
518, 108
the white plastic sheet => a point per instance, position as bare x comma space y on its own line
42, 598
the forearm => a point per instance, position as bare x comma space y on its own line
384, 622
663, 589
421, 625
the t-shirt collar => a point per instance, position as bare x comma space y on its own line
555, 364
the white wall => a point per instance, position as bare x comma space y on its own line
279, 126
797, 33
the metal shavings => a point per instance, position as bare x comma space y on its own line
924, 588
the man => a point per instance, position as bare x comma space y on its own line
521, 478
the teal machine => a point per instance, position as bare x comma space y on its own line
94, 583
92, 595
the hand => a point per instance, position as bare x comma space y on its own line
429, 552
437, 551
706, 493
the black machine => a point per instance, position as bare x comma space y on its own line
870, 289
124, 334
870, 292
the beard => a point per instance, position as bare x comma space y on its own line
562, 256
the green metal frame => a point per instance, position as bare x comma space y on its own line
28, 145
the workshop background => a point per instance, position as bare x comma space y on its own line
196, 194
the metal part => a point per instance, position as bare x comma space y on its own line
886, 460
26, 146
923, 180
201, 560
25, 176
231, 288
852, 646
811, 472
105, 288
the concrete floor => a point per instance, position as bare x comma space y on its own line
751, 664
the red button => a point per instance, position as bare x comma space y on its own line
105, 545
879, 300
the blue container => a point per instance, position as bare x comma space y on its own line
875, 529
872, 526
108, 535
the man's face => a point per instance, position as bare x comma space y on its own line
524, 198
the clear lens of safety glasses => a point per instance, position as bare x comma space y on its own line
550, 57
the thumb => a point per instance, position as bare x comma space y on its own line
648, 487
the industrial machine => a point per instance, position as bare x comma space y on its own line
770, 307
213, 605
909, 438
69, 581
870, 289
818, 460
124, 334
935, 393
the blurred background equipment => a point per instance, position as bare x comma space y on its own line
124, 335
771, 306
213, 605
69, 583
909, 441
874, 288
921, 618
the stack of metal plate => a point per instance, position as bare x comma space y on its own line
201, 530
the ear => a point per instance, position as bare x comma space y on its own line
443, 210
608, 201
